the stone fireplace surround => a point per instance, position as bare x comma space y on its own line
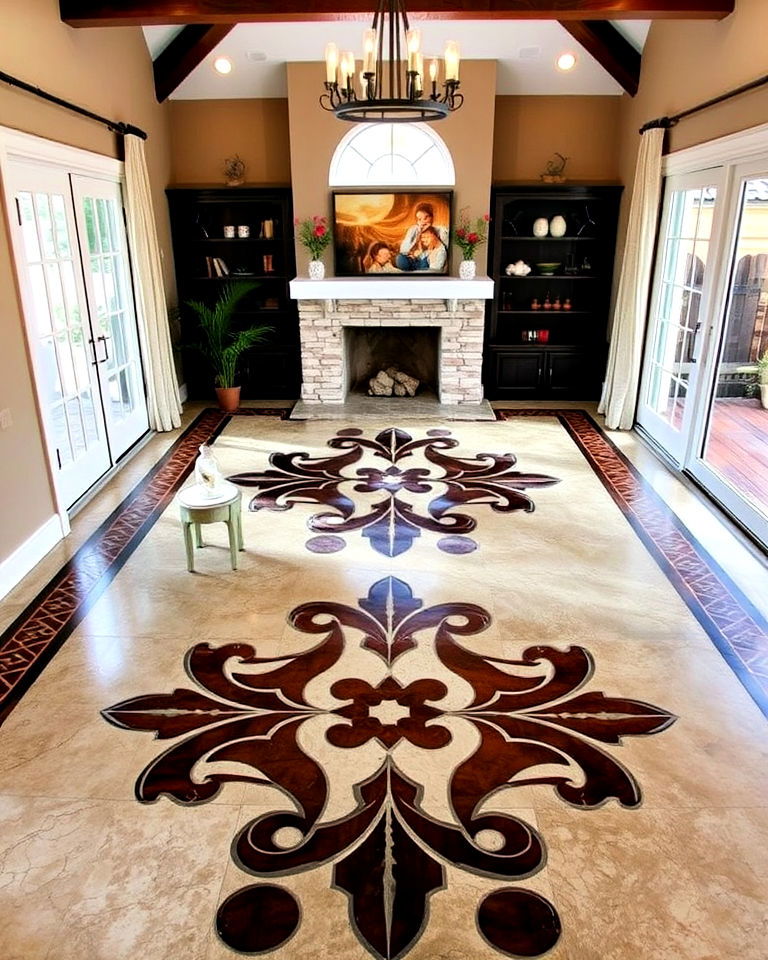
456, 306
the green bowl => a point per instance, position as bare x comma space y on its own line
547, 269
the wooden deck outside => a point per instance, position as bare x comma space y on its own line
738, 447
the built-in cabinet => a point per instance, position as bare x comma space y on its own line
546, 326
225, 234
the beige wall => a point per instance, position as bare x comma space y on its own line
315, 134
530, 130
110, 73
255, 130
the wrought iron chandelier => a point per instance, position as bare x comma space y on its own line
390, 86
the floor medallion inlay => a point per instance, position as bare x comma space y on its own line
518, 722
392, 523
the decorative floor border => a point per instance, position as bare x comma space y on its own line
732, 622
735, 626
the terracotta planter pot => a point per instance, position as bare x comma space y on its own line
229, 398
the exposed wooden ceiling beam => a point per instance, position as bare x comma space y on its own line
184, 53
97, 13
611, 50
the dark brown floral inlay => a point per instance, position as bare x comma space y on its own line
388, 852
393, 522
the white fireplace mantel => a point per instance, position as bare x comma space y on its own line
392, 288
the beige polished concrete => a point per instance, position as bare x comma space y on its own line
86, 872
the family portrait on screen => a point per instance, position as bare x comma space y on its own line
392, 234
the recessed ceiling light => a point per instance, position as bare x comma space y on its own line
566, 61
222, 65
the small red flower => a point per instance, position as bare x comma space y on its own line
461, 233
319, 230
487, 217
473, 238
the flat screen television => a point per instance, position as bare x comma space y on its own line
401, 233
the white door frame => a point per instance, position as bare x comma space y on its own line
27, 148
741, 154
674, 442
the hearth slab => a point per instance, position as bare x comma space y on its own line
383, 408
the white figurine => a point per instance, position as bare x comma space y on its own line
518, 269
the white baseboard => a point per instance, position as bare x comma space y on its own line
14, 568
183, 392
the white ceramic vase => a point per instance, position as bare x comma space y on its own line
316, 269
540, 227
467, 269
557, 226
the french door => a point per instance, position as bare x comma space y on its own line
729, 442
680, 305
73, 269
708, 326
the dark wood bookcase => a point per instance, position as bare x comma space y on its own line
199, 215
537, 353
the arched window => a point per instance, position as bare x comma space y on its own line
401, 154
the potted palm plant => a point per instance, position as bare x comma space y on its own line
221, 344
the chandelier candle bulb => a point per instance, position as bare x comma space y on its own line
331, 62
452, 59
369, 51
413, 41
419, 78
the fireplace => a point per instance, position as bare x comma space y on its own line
348, 325
412, 350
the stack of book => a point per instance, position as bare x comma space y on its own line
216, 267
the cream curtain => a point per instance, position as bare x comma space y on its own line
162, 387
622, 375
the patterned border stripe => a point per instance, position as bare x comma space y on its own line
40, 630
732, 622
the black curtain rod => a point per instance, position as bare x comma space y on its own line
114, 125
666, 122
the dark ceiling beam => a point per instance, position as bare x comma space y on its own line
98, 13
612, 51
187, 49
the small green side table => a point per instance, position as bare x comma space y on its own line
197, 508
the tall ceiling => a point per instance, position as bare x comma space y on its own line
525, 50
260, 37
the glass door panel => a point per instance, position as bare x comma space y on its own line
732, 443
60, 336
677, 309
99, 211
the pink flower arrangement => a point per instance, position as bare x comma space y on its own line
469, 236
313, 233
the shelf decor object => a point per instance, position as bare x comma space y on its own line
390, 90
541, 224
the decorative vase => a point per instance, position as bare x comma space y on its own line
316, 269
557, 226
467, 269
207, 473
229, 398
764, 395
540, 227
